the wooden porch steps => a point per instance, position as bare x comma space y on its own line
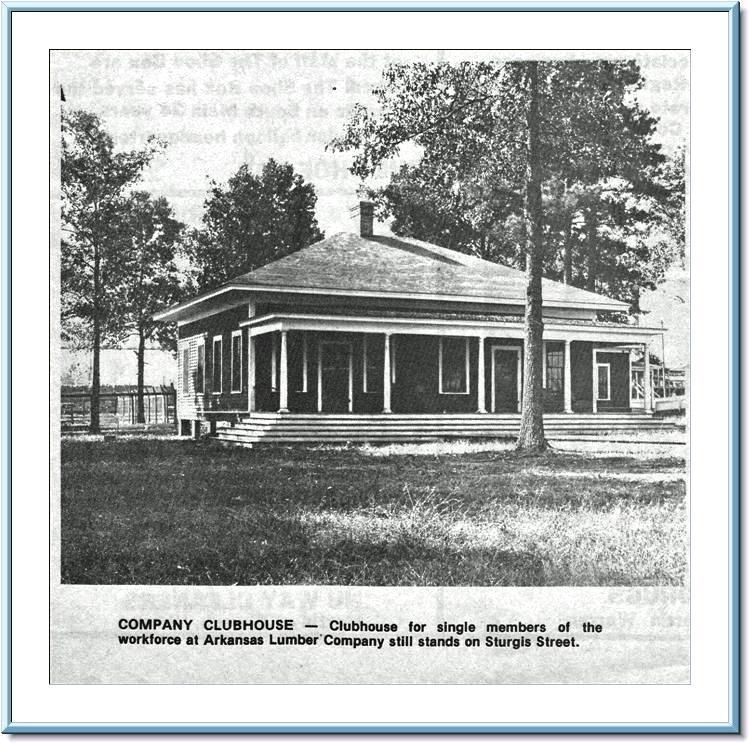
277, 428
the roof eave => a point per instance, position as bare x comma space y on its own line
610, 305
170, 314
177, 312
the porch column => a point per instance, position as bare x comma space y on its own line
386, 377
305, 362
273, 368
543, 364
629, 379
568, 376
595, 381
481, 383
283, 388
646, 381
319, 375
251, 373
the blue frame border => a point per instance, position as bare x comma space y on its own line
732, 7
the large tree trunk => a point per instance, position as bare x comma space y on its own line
94, 425
96, 366
141, 368
531, 436
591, 230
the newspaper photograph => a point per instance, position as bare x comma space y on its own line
372, 366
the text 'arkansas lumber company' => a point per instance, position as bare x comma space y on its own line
352, 634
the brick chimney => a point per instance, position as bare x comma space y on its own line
365, 211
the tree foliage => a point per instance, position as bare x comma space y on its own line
252, 220
150, 244
95, 181
607, 190
500, 142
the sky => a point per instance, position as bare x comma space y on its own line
220, 109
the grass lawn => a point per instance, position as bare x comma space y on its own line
171, 511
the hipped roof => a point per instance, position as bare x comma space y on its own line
347, 263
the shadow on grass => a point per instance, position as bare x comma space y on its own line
304, 555
171, 511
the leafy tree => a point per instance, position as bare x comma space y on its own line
609, 235
151, 239
253, 220
514, 129
95, 181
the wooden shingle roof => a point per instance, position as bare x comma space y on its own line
398, 265
348, 264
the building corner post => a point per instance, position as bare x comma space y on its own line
283, 387
595, 381
386, 402
568, 376
481, 380
251, 373
647, 382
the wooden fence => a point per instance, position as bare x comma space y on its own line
118, 406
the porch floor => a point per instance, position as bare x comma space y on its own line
283, 428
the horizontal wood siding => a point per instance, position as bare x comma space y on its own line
191, 405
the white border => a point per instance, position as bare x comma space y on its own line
705, 700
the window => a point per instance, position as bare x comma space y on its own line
185, 370
453, 366
299, 363
200, 369
217, 365
604, 381
554, 370
371, 366
236, 361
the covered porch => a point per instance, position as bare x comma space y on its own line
431, 366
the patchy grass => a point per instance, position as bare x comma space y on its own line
169, 511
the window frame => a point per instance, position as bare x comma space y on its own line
368, 386
547, 367
220, 340
185, 369
199, 374
467, 355
236, 334
607, 366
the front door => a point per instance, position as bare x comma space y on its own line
336, 378
505, 394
